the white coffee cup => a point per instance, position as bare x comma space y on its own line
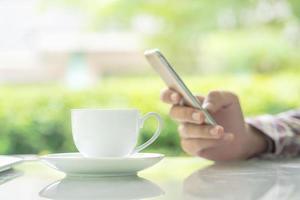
110, 132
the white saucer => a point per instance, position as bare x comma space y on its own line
74, 164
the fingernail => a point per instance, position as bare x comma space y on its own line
196, 116
205, 105
174, 97
214, 132
181, 102
228, 137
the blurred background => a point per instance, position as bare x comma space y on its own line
62, 54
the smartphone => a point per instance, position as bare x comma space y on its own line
174, 82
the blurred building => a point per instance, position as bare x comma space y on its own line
39, 45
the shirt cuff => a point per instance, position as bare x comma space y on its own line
270, 127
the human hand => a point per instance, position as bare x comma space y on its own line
231, 139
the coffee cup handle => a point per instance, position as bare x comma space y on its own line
156, 133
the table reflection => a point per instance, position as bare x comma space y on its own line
247, 180
131, 187
9, 174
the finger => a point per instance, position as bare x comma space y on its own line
193, 146
200, 98
187, 114
170, 96
211, 154
217, 100
215, 154
193, 131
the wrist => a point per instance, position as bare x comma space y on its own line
258, 141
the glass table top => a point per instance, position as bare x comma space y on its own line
172, 178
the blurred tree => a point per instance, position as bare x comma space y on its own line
179, 28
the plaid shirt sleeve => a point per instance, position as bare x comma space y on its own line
283, 129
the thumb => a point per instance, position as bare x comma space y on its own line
217, 100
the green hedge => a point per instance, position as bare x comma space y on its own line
36, 119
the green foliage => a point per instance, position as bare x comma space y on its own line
249, 51
36, 119
230, 35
